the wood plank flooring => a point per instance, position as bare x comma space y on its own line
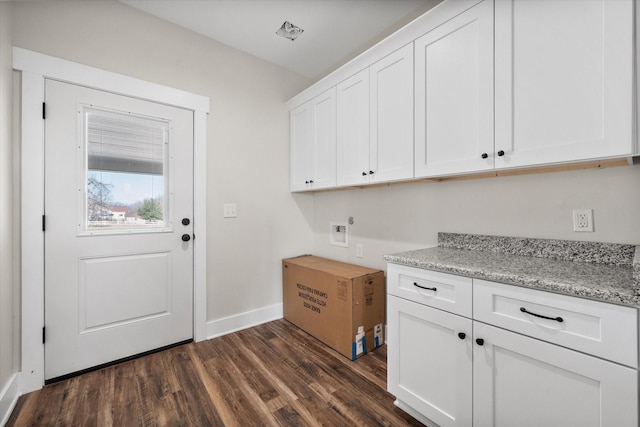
270, 375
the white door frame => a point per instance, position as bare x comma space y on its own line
35, 67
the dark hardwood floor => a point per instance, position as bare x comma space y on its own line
270, 375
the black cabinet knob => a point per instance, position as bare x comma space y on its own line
479, 341
186, 221
186, 237
462, 335
310, 181
484, 155
501, 153
371, 172
364, 174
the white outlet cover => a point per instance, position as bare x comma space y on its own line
583, 220
360, 250
230, 210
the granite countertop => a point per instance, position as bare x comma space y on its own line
601, 271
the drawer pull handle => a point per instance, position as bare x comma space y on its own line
462, 335
557, 319
423, 287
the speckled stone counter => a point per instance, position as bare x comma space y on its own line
602, 271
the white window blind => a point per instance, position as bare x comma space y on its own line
121, 142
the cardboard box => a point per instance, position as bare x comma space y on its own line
343, 305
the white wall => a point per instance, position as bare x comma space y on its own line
408, 216
247, 132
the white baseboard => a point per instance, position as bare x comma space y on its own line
8, 398
227, 325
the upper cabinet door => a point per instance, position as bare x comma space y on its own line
313, 143
323, 158
454, 95
564, 82
391, 117
301, 147
353, 130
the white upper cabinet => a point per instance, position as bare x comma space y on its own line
313, 143
353, 130
564, 81
375, 122
454, 95
391, 118
474, 86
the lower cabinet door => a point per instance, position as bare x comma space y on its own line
429, 361
524, 382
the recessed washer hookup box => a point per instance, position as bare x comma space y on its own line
343, 305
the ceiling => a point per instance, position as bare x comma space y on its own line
334, 30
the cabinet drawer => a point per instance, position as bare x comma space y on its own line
440, 290
604, 330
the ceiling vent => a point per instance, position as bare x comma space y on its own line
289, 31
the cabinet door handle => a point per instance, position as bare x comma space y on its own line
484, 155
423, 287
557, 319
371, 172
479, 341
462, 335
364, 174
501, 153
310, 181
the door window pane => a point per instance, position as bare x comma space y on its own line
126, 171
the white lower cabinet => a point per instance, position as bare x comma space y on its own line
448, 369
424, 349
524, 382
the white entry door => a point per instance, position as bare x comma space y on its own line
118, 227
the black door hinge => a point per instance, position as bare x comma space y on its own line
43, 334
44, 115
44, 223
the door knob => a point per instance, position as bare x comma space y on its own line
186, 221
186, 237
479, 341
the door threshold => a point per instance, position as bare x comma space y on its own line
115, 362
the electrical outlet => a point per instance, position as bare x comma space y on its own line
359, 250
230, 210
582, 220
